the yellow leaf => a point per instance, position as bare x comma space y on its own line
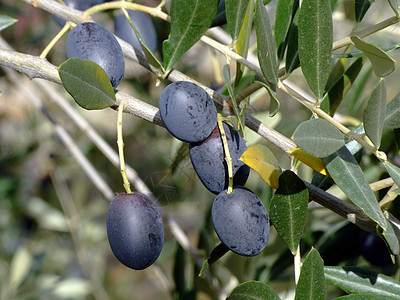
262, 160
313, 162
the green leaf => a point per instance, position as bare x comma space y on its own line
311, 283
274, 102
262, 160
318, 137
393, 171
382, 63
6, 21
292, 54
151, 58
179, 270
215, 254
243, 41
364, 297
374, 114
392, 236
361, 7
288, 209
315, 43
359, 280
283, 19
235, 13
349, 176
266, 49
190, 19
341, 86
394, 4
87, 83
254, 290
392, 115
227, 78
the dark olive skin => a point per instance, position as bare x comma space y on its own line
241, 221
187, 111
208, 160
94, 42
135, 230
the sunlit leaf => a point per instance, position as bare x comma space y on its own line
190, 19
374, 114
359, 280
262, 160
311, 283
315, 163
288, 209
254, 290
393, 171
382, 63
87, 83
349, 176
266, 50
20, 266
318, 137
6, 21
315, 43
235, 13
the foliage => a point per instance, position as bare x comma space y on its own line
312, 105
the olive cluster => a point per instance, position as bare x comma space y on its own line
239, 218
134, 225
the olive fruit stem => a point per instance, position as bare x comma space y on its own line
46, 50
297, 265
228, 157
120, 143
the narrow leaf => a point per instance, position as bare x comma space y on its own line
274, 103
315, 43
262, 160
20, 267
392, 115
315, 163
318, 137
359, 280
227, 78
235, 13
255, 290
393, 171
374, 114
179, 270
382, 63
243, 41
283, 19
311, 283
215, 254
361, 7
87, 83
266, 49
288, 209
341, 86
151, 58
394, 4
349, 176
190, 19
292, 54
364, 297
6, 21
